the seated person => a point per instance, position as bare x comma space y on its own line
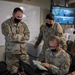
56, 59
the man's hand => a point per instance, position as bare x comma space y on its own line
45, 65
73, 73
35, 46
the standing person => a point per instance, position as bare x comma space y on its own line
48, 30
16, 35
56, 59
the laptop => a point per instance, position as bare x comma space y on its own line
29, 70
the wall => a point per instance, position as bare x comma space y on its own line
45, 7
43, 4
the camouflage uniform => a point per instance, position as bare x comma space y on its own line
60, 61
46, 33
14, 49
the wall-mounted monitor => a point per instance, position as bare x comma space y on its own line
63, 15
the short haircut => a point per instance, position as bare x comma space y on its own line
58, 40
50, 16
17, 9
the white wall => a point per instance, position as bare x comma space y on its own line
31, 18
44, 9
43, 4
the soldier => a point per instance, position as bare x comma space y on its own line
48, 30
56, 59
16, 35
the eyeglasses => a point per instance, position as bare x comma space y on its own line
53, 47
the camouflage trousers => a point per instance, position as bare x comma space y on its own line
13, 59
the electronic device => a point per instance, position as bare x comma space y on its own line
63, 15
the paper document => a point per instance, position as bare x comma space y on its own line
38, 64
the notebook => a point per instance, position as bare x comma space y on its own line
39, 66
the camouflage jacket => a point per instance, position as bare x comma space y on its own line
60, 61
16, 36
46, 33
